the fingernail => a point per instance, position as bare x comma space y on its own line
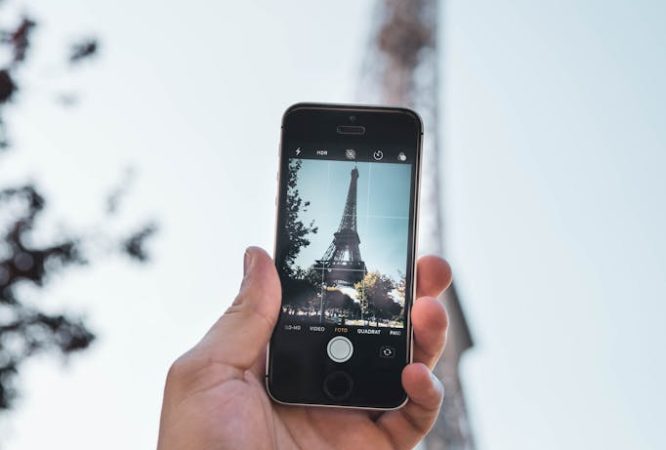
247, 262
437, 383
248, 257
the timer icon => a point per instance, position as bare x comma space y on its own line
378, 154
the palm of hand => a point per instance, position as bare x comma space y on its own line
215, 396
238, 414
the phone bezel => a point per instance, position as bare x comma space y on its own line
352, 109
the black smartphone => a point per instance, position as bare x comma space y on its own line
345, 252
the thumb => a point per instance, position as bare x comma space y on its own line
240, 336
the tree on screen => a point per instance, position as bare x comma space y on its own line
296, 279
400, 289
297, 231
27, 261
374, 294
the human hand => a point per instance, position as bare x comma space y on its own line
215, 396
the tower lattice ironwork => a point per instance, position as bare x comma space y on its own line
402, 68
342, 263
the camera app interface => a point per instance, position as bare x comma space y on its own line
345, 231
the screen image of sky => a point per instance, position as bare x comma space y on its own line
383, 191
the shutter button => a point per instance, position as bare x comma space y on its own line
340, 349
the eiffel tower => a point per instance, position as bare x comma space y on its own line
402, 67
342, 263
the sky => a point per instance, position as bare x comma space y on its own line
553, 168
382, 210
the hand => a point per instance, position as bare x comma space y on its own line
215, 396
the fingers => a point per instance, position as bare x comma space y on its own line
430, 323
407, 426
433, 276
240, 336
429, 318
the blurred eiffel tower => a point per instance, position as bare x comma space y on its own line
402, 68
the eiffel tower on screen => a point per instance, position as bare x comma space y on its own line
342, 263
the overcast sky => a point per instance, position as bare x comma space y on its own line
555, 150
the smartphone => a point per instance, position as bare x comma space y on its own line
345, 248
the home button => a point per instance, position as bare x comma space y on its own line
338, 385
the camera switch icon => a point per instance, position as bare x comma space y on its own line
386, 351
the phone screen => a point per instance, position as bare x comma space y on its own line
344, 255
